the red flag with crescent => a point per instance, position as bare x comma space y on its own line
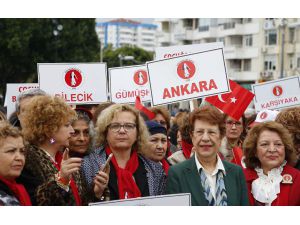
233, 103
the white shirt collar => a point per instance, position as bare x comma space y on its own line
219, 165
266, 187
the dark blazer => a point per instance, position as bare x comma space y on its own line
185, 178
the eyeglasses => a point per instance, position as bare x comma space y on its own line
115, 127
231, 123
161, 122
200, 133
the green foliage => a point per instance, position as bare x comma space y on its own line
26, 42
111, 56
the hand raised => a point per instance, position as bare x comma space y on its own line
69, 165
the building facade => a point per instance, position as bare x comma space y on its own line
255, 49
125, 32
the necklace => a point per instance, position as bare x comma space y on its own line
51, 158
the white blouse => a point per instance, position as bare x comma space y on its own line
266, 187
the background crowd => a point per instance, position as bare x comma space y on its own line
53, 154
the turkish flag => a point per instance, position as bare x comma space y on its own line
233, 103
141, 108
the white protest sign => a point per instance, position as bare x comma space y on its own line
183, 199
125, 83
12, 92
188, 77
277, 94
77, 83
174, 51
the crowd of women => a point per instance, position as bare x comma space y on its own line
52, 154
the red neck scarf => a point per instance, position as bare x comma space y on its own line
58, 159
18, 190
168, 153
186, 149
165, 165
126, 184
237, 156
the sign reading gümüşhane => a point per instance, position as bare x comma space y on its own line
126, 83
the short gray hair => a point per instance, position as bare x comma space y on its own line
28, 94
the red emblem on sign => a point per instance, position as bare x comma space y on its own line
277, 90
186, 69
140, 77
263, 115
73, 78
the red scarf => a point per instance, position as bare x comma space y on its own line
58, 159
168, 153
126, 184
186, 149
165, 165
18, 190
237, 156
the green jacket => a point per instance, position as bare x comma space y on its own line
184, 178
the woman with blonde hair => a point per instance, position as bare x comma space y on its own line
122, 131
50, 176
269, 153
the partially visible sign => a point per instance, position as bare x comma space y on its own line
277, 94
76, 83
160, 200
125, 83
175, 51
12, 92
188, 77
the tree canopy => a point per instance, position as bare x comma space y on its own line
26, 42
140, 56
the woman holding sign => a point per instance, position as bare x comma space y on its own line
122, 131
271, 180
50, 176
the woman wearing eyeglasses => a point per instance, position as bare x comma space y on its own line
231, 146
121, 131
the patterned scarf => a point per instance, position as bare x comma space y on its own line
126, 183
221, 196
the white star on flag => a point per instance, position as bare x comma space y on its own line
233, 100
